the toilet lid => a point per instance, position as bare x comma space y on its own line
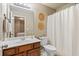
50, 47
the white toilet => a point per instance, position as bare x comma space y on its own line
49, 49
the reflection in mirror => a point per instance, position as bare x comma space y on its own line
18, 26
18, 22
4, 25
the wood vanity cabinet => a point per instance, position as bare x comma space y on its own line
21, 54
10, 51
32, 49
34, 52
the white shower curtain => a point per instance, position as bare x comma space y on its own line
61, 31
58, 32
76, 31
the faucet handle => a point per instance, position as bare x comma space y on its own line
4, 46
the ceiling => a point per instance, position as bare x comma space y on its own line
54, 5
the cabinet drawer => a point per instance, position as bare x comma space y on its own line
34, 52
25, 47
9, 52
21, 54
36, 45
24, 54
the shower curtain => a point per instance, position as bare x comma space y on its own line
76, 31
63, 30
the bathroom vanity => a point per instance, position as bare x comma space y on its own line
27, 47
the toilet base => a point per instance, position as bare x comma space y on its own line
51, 54
45, 53
51, 50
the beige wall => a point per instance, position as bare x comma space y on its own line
64, 6
39, 8
36, 22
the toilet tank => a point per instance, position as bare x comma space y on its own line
44, 41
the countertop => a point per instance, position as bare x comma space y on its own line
18, 42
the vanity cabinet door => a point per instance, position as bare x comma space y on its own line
34, 52
36, 45
21, 54
25, 48
24, 54
9, 52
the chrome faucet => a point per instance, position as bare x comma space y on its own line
4, 46
37, 37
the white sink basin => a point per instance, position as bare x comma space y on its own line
11, 41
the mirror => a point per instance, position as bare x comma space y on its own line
19, 22
18, 26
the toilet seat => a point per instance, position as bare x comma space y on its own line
50, 47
